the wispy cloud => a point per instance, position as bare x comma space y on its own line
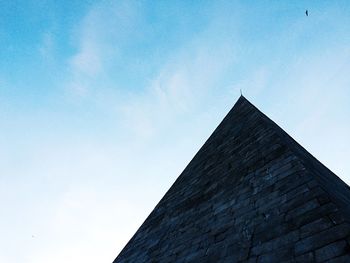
187, 83
98, 39
182, 86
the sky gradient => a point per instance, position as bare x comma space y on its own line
104, 103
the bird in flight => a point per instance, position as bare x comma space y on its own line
307, 12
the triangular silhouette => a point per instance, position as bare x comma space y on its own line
251, 194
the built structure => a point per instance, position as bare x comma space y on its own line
251, 194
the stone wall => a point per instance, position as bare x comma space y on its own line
251, 194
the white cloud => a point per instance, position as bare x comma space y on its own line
98, 39
88, 61
185, 84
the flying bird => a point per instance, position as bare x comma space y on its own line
307, 12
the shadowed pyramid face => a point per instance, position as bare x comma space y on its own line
251, 194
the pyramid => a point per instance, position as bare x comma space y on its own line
250, 194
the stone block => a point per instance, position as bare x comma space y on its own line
331, 251
315, 227
322, 238
276, 243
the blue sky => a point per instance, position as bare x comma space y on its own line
103, 104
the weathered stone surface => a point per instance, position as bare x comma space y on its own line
331, 251
322, 238
305, 258
314, 227
251, 194
341, 259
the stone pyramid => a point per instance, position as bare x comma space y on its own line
251, 194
